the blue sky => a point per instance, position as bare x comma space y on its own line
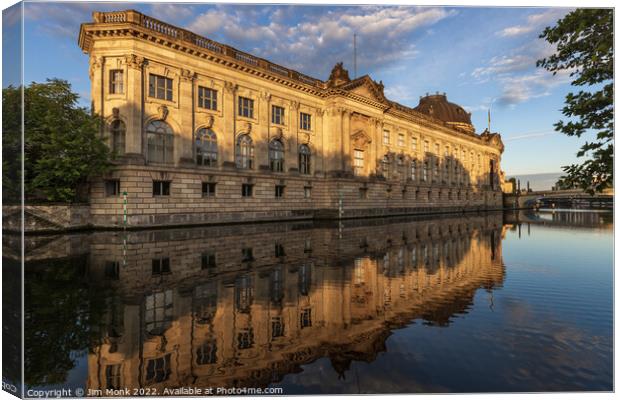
481, 57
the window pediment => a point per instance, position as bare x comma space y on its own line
360, 139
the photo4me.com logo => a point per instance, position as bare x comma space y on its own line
8, 386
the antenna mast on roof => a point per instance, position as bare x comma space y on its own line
354, 55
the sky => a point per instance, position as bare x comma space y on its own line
481, 57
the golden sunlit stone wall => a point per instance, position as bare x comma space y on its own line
368, 154
325, 293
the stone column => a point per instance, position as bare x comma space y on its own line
317, 144
372, 147
95, 72
347, 155
262, 135
292, 139
226, 145
378, 148
134, 145
185, 140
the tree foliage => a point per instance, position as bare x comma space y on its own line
62, 147
585, 49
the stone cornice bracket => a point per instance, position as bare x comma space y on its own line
266, 96
230, 87
188, 75
210, 121
162, 112
305, 138
134, 61
96, 62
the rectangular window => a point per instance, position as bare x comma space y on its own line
160, 87
401, 140
158, 370
158, 311
446, 151
161, 188
426, 148
279, 191
246, 190
160, 266
208, 260
246, 107
277, 115
307, 192
208, 189
277, 327
413, 169
245, 339
207, 98
363, 193
279, 250
358, 162
414, 144
111, 269
246, 254
437, 149
386, 137
112, 187
113, 376
116, 81
305, 318
304, 121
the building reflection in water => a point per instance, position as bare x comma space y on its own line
245, 305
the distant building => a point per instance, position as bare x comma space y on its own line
205, 133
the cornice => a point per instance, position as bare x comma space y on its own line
136, 25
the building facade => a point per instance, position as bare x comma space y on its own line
202, 133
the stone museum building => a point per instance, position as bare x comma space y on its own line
203, 133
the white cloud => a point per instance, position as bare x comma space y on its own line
518, 89
400, 93
535, 22
517, 75
170, 12
324, 38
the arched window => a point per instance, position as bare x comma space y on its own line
245, 152
276, 156
160, 140
118, 136
304, 159
206, 147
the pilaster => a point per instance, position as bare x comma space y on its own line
185, 139
134, 146
226, 148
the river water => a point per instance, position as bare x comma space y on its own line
460, 303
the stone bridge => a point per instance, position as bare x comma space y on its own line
574, 198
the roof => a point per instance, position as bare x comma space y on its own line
438, 106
